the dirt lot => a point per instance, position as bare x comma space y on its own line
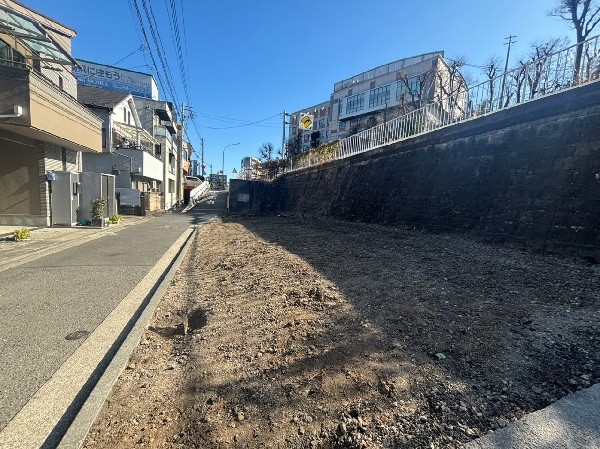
325, 334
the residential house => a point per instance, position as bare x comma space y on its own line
43, 128
128, 150
159, 118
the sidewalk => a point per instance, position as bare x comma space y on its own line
45, 241
572, 422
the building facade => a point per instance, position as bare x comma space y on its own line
381, 94
128, 150
43, 128
160, 119
250, 169
299, 139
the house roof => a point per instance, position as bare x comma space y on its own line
94, 96
49, 21
33, 35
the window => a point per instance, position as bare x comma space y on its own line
355, 103
379, 96
103, 137
341, 102
413, 88
10, 56
306, 137
322, 123
124, 115
60, 83
342, 125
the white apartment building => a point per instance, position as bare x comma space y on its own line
378, 95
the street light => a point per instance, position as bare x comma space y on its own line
230, 145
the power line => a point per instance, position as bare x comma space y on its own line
187, 58
243, 125
143, 30
177, 41
158, 44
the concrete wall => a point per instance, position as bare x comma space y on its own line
528, 176
111, 164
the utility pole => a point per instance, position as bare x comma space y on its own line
509, 43
283, 150
178, 177
202, 166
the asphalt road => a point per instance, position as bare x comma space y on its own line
44, 301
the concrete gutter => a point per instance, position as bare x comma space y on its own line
572, 422
62, 411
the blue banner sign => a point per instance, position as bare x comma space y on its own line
114, 78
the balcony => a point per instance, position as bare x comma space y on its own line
143, 164
161, 131
48, 114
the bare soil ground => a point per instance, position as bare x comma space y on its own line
326, 334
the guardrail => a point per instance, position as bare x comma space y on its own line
568, 68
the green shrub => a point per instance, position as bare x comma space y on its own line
97, 213
115, 219
21, 234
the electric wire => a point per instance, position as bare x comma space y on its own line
244, 125
161, 56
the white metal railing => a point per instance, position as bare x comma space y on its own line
547, 75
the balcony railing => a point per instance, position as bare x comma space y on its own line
161, 131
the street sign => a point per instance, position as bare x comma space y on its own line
306, 121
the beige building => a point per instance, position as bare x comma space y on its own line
43, 128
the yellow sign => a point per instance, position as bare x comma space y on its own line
306, 121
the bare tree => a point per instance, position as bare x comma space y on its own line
538, 75
584, 15
294, 145
266, 151
415, 89
491, 69
452, 86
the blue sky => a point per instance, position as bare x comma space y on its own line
248, 61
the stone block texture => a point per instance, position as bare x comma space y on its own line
528, 177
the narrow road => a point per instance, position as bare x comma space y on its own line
49, 306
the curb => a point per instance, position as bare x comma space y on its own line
79, 428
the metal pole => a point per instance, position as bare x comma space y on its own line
283, 150
509, 43
202, 172
178, 175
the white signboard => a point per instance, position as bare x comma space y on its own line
115, 78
